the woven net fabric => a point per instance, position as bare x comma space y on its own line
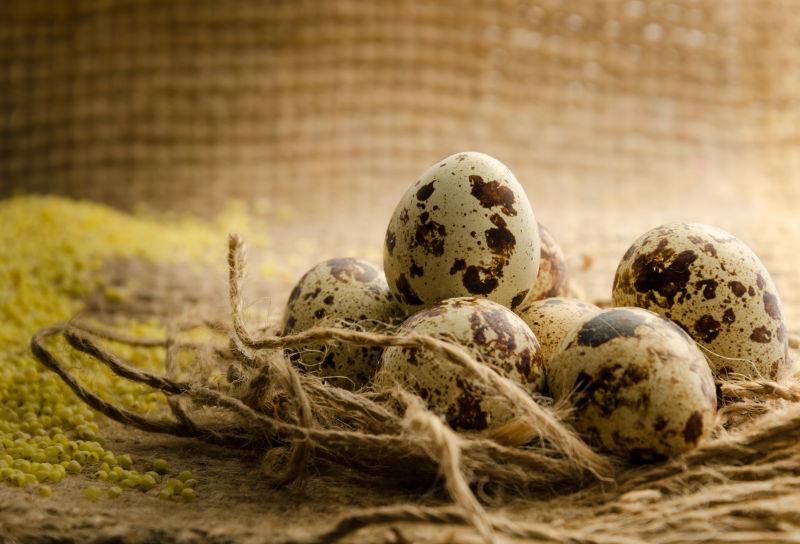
614, 114
186, 101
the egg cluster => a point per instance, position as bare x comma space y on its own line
466, 260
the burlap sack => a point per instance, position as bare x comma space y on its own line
615, 115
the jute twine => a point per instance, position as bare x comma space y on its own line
267, 405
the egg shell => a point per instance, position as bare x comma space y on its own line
551, 281
552, 319
713, 286
638, 383
345, 290
465, 228
492, 334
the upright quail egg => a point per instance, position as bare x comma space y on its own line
465, 228
492, 334
714, 287
551, 281
638, 383
552, 319
345, 290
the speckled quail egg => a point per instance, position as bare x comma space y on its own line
551, 281
465, 228
638, 383
492, 334
713, 286
344, 290
552, 319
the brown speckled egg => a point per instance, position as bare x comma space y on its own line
551, 281
492, 334
639, 384
552, 319
465, 228
714, 287
343, 290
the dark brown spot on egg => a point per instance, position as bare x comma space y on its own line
313, 294
290, 323
762, 335
391, 241
458, 266
482, 321
660, 424
467, 414
629, 253
609, 325
319, 314
728, 316
519, 298
493, 193
404, 216
425, 192
751, 291
347, 269
772, 306
429, 235
603, 390
415, 271
709, 288
497, 221
500, 241
523, 364
407, 294
737, 288
479, 280
328, 300
707, 328
693, 429
295, 294
622, 280
328, 361
707, 247
642, 456
760, 281
663, 272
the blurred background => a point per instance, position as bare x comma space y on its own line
615, 115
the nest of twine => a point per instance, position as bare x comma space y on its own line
267, 405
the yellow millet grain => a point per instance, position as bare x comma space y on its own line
51, 253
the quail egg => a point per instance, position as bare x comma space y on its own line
713, 286
344, 290
551, 281
465, 228
552, 319
492, 334
638, 383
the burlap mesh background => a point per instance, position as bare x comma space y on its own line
615, 115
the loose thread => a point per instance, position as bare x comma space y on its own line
354, 428
547, 425
301, 449
447, 453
